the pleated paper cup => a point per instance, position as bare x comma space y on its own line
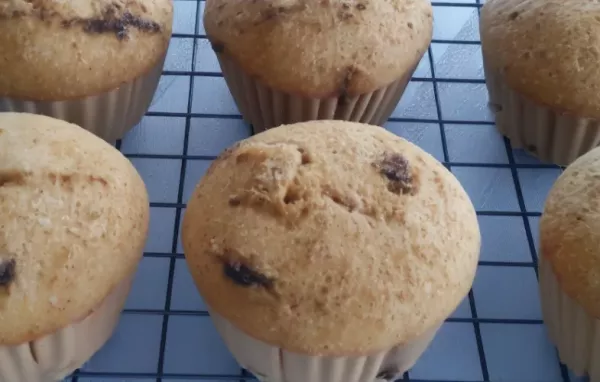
108, 115
575, 333
273, 364
265, 108
549, 135
55, 356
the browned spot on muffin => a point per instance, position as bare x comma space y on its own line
397, 170
12, 177
1, 131
409, 25
513, 15
243, 274
120, 25
217, 47
8, 270
114, 20
361, 6
234, 201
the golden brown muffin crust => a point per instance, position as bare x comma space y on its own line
331, 238
73, 222
53, 50
548, 50
569, 231
321, 48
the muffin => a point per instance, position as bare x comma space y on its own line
73, 222
570, 264
288, 61
329, 251
94, 63
542, 74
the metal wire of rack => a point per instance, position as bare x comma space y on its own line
511, 225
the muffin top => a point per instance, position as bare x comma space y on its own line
58, 50
548, 50
73, 221
331, 237
321, 48
569, 231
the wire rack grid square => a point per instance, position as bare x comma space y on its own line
496, 334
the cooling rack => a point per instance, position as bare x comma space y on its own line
496, 334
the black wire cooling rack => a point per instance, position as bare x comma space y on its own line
463, 140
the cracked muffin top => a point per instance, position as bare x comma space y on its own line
331, 237
321, 48
73, 223
52, 50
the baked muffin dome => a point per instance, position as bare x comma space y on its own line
73, 223
331, 238
59, 50
548, 50
321, 48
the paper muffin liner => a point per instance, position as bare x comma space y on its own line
549, 135
108, 115
265, 108
55, 356
273, 364
575, 333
